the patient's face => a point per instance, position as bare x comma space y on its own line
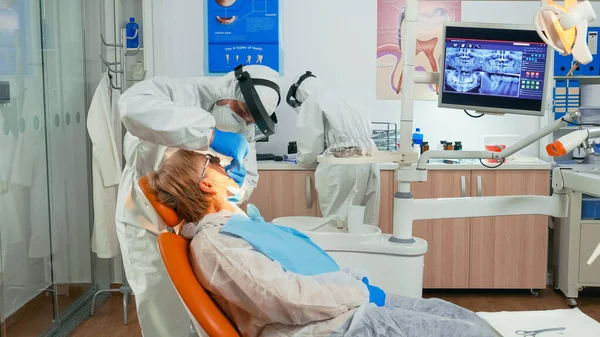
215, 172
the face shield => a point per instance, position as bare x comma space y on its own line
291, 96
264, 121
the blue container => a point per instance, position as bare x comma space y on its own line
417, 137
592, 68
562, 64
590, 208
132, 28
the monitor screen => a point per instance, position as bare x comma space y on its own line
501, 70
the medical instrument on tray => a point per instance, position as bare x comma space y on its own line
534, 333
345, 151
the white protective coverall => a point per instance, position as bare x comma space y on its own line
327, 121
261, 297
162, 115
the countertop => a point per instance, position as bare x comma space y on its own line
530, 164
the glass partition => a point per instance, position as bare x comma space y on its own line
45, 256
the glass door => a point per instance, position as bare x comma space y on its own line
64, 79
45, 255
28, 297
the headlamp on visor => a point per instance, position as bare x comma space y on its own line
264, 122
291, 96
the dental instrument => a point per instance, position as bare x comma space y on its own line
534, 333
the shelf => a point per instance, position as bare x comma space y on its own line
591, 222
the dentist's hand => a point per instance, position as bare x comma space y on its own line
230, 144
236, 171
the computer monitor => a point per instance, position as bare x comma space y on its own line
493, 68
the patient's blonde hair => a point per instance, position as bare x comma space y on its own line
177, 185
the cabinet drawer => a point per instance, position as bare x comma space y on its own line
590, 237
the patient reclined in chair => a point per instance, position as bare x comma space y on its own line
268, 290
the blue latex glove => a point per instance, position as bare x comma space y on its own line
236, 171
376, 294
230, 144
254, 213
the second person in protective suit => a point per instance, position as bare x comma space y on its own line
166, 114
325, 122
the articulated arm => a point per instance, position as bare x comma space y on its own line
520, 145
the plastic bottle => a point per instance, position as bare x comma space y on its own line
132, 28
417, 148
292, 147
417, 137
442, 145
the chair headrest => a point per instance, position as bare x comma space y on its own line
166, 213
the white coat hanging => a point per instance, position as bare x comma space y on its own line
106, 167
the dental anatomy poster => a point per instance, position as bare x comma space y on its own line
390, 32
241, 32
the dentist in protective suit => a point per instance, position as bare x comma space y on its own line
163, 115
327, 121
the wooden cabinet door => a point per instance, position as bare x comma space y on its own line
285, 193
388, 188
511, 251
447, 261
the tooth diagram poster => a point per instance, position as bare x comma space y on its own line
390, 16
241, 32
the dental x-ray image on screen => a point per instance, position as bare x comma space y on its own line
483, 71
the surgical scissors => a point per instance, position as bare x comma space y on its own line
534, 333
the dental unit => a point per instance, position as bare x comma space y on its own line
562, 29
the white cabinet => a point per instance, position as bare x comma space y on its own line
490, 253
589, 239
574, 241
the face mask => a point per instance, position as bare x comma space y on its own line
236, 193
227, 120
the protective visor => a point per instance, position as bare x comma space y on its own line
291, 96
265, 124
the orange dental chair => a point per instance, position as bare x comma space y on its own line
174, 249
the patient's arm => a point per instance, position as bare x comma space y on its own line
251, 281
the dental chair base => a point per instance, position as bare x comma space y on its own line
395, 267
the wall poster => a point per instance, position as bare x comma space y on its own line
241, 32
390, 16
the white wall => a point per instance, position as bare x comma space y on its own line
344, 56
